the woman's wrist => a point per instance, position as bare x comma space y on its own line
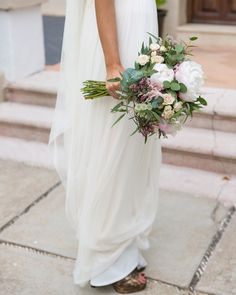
112, 66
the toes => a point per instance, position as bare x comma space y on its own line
142, 278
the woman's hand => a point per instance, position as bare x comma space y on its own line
114, 72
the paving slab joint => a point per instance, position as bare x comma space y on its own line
34, 250
215, 240
181, 290
41, 197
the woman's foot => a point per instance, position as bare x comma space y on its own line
136, 281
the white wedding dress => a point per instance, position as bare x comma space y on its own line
111, 178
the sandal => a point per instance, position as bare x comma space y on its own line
130, 283
141, 269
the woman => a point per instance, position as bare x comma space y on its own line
111, 178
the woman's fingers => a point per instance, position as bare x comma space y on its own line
114, 72
112, 88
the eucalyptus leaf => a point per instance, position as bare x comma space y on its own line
154, 103
160, 100
183, 88
175, 86
132, 75
166, 84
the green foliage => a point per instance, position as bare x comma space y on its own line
202, 101
193, 38
160, 2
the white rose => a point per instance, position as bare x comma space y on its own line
153, 53
154, 46
191, 74
142, 59
163, 49
168, 112
168, 99
163, 74
178, 105
157, 59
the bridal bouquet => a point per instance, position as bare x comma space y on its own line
160, 92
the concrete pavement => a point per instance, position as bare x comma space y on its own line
192, 241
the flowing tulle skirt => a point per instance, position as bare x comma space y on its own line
112, 177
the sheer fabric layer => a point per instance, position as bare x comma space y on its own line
111, 177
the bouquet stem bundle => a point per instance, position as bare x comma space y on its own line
94, 89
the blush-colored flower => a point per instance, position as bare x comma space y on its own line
178, 106
168, 112
168, 99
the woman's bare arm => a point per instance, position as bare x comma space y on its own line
106, 21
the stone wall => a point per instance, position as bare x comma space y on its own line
54, 7
21, 34
177, 15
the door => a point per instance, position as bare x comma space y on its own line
212, 11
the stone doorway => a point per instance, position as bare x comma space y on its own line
212, 11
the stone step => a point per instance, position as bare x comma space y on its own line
209, 35
220, 113
38, 89
32, 153
181, 179
202, 149
25, 121
199, 183
192, 147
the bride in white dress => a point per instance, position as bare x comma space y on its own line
111, 178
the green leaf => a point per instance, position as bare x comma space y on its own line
137, 66
136, 130
193, 38
132, 75
157, 117
180, 57
150, 41
175, 86
117, 79
183, 88
154, 103
142, 49
202, 101
116, 108
166, 84
179, 48
153, 36
118, 119
160, 100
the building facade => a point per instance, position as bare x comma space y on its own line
214, 21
